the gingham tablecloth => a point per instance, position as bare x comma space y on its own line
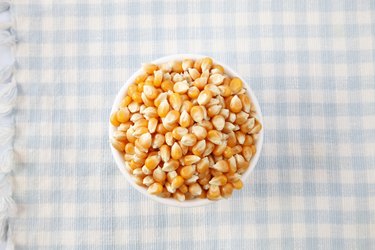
311, 65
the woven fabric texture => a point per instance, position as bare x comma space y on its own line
311, 65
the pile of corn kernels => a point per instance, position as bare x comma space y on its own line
187, 130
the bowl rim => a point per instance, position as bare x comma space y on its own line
118, 157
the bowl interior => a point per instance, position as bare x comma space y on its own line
119, 157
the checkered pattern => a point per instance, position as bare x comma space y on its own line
311, 66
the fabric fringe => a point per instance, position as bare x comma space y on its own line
8, 94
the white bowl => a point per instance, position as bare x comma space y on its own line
119, 157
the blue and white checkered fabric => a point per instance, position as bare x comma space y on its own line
312, 66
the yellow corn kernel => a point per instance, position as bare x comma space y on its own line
149, 68
172, 117
241, 117
199, 148
136, 96
186, 106
207, 125
129, 148
204, 97
184, 148
124, 126
177, 67
256, 129
226, 190
175, 101
200, 82
170, 166
181, 87
221, 166
152, 162
176, 151
187, 64
203, 165
225, 91
140, 78
133, 165
247, 152
219, 149
155, 188
199, 131
188, 140
235, 85
228, 153
165, 153
235, 104
196, 113
184, 97
240, 137
120, 146
145, 140
213, 192
215, 91
161, 97
237, 184
213, 110
169, 140
195, 189
123, 115
214, 136
158, 77
216, 79
204, 178
159, 175
227, 101
179, 196
163, 108
183, 189
232, 140
219, 180
140, 123
125, 102
167, 85
113, 120
140, 131
177, 182
179, 132
219, 68
248, 140
158, 141
140, 86
194, 73
185, 119
129, 135
187, 172
218, 122
150, 92
133, 107
237, 149
193, 92
197, 65
241, 162
132, 89
209, 148
206, 64
248, 125
246, 104
160, 129
191, 159
152, 124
